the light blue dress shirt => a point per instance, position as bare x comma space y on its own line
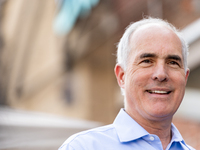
124, 134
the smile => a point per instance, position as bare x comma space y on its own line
158, 92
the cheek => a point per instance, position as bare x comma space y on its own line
137, 81
179, 80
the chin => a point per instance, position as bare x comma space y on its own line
162, 115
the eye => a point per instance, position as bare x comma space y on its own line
174, 63
146, 61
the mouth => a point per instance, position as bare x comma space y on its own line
162, 92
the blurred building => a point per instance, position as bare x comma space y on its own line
72, 74
25, 130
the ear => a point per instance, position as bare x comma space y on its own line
120, 75
187, 74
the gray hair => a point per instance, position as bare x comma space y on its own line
123, 47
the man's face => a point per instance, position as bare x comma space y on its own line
154, 80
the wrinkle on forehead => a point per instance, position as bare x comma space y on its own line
153, 32
155, 38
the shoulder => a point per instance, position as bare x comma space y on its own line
92, 133
90, 137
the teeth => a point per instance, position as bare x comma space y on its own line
159, 92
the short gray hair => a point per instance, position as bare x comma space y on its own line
123, 47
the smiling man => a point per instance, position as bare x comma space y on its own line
152, 72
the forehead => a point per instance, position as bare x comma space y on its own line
155, 38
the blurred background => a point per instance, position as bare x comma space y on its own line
57, 61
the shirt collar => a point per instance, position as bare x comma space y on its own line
125, 125
176, 136
127, 128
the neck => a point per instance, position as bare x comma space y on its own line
162, 131
159, 127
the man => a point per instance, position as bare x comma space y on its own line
152, 72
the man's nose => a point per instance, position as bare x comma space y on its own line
160, 73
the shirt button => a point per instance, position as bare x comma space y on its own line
151, 138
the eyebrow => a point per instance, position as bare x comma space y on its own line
145, 55
173, 57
